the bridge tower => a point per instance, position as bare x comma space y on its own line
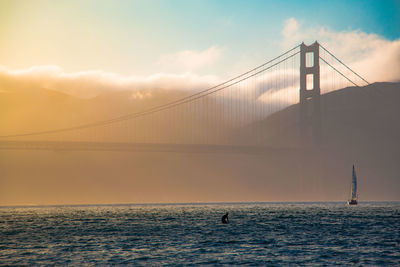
310, 95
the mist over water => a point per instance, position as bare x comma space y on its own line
258, 233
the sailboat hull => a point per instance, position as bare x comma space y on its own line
352, 202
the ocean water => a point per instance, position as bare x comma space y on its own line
192, 234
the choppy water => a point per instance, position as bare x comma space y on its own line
258, 234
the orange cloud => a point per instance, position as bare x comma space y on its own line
87, 84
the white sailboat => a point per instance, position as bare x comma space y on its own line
353, 194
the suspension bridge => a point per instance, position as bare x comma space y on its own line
238, 115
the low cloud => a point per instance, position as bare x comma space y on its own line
371, 55
87, 84
179, 75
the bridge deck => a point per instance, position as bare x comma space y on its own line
136, 147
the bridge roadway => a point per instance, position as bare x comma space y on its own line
139, 147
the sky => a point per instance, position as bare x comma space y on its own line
88, 48
170, 42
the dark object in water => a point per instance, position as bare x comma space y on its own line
352, 202
225, 219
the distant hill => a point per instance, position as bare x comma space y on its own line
40, 109
351, 116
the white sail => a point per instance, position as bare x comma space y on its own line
354, 186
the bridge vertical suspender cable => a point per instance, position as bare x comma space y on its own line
223, 110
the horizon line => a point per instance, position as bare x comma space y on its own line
188, 203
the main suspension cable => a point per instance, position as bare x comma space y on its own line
344, 64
